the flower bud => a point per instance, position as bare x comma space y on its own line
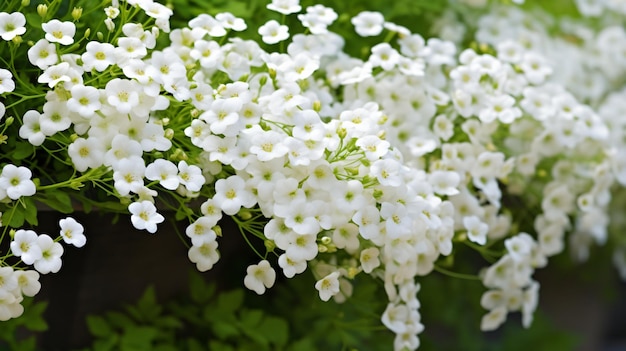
263, 80
109, 24
245, 215
352, 272
269, 245
100, 36
25, 3
77, 12
218, 230
195, 113
87, 32
9, 121
317, 106
42, 10
342, 132
12, 233
326, 240
321, 248
169, 133
17, 40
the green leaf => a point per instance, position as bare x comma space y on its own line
200, 291
33, 19
194, 345
29, 344
215, 345
138, 338
303, 345
59, 201
14, 217
119, 320
30, 210
275, 329
22, 151
251, 318
225, 330
98, 326
169, 322
229, 302
36, 323
107, 344
147, 305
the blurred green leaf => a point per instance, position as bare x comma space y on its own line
98, 326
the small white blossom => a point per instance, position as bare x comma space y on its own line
259, 277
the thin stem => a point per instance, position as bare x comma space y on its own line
456, 274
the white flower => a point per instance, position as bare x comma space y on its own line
445, 182
190, 176
493, 319
122, 94
204, 255
28, 282
16, 181
86, 153
8, 279
291, 267
12, 25
51, 252
201, 230
156, 10
112, 12
476, 229
43, 54
328, 286
300, 216
368, 23
122, 147
6, 81
285, 6
72, 232
267, 145
128, 173
519, 246
55, 74
31, 128
385, 56
369, 259
259, 277
229, 21
85, 100
231, 194
301, 247
59, 32
208, 24
273, 32
144, 215
25, 246
387, 171
98, 56
10, 306
165, 172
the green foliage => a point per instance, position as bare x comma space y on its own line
19, 334
290, 317
452, 319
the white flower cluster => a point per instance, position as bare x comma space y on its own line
342, 165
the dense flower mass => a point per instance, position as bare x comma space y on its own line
341, 165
